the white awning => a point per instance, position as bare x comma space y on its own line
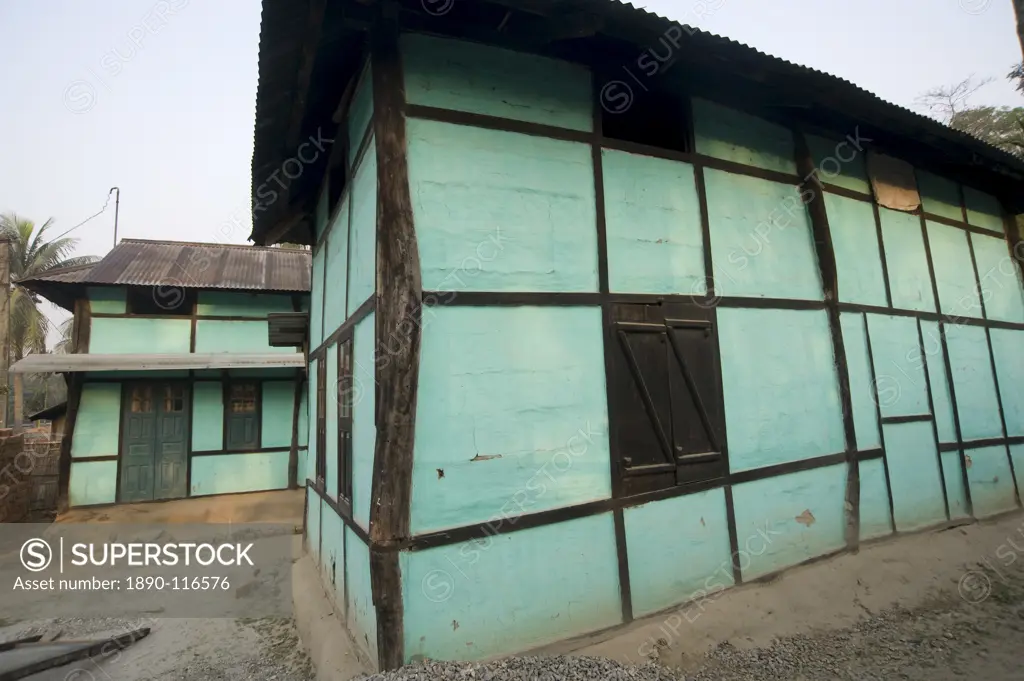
59, 363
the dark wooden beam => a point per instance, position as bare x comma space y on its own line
399, 296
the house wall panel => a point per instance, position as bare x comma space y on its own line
652, 216
983, 210
311, 421
98, 423
141, 335
855, 241
954, 271
360, 113
332, 556
239, 304
316, 314
243, 472
207, 416
1000, 279
276, 413
875, 517
1017, 456
216, 335
862, 386
314, 511
761, 238
942, 401
107, 299
939, 195
914, 474
786, 520
362, 278
487, 80
840, 162
336, 289
92, 482
976, 399
992, 484
362, 615
512, 591
899, 365
501, 211
780, 388
1006, 349
511, 414
678, 550
906, 261
735, 136
952, 473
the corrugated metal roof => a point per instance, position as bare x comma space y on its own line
53, 363
284, 29
139, 262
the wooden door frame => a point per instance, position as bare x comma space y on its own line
188, 384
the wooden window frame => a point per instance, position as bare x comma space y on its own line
258, 410
681, 463
344, 393
321, 422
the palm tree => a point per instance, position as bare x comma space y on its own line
32, 255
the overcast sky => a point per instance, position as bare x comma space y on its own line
158, 97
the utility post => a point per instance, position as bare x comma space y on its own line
5, 325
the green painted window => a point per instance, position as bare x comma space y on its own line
242, 427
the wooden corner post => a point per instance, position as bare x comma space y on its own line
398, 312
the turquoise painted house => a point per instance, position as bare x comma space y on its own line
609, 314
187, 372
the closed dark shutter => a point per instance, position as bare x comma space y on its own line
666, 407
321, 421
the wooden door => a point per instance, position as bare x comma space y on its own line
154, 456
138, 443
171, 449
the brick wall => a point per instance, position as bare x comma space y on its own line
16, 466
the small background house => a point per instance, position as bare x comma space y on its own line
181, 383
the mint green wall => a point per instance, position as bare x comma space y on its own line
992, 485
780, 388
734, 136
276, 414
316, 317
855, 242
1006, 349
953, 475
331, 441
1017, 455
875, 518
512, 591
313, 512
789, 519
501, 211
839, 162
228, 473
107, 299
983, 210
512, 408
332, 556
942, 401
652, 218
480, 79
216, 335
98, 422
977, 404
939, 195
336, 290
362, 278
362, 615
865, 417
360, 113
678, 550
237, 304
111, 335
906, 261
954, 271
914, 474
92, 482
207, 416
761, 238
899, 367
1000, 279
364, 430
311, 424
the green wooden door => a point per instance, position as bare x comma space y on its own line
154, 458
